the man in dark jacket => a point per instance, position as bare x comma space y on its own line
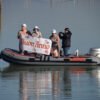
66, 40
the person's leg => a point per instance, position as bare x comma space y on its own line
20, 50
46, 57
66, 50
58, 50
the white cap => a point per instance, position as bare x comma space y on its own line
54, 31
36, 27
24, 25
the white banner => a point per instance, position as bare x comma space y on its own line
37, 45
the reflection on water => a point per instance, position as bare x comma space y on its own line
40, 83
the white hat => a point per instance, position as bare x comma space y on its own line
54, 31
36, 27
24, 25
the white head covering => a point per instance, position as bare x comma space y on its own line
36, 27
54, 31
24, 25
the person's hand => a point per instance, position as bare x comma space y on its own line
61, 34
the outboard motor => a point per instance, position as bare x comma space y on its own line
95, 52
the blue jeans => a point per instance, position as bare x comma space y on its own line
65, 50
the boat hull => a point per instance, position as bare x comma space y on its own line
12, 56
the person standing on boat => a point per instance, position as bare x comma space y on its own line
55, 51
66, 40
22, 34
36, 32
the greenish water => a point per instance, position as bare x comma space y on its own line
50, 83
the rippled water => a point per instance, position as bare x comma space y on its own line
50, 83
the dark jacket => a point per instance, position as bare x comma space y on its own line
66, 39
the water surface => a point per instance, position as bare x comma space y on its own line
52, 83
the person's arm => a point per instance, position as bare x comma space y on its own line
18, 35
61, 35
69, 34
58, 41
29, 33
40, 35
33, 34
51, 38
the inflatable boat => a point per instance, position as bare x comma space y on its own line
14, 57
